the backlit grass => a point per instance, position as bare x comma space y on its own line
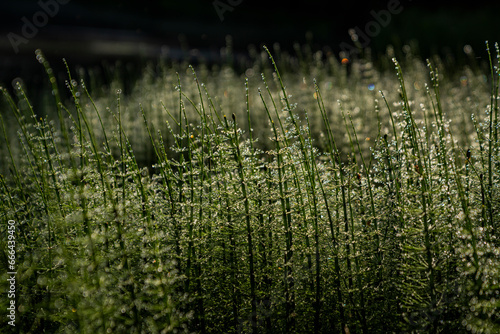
322, 198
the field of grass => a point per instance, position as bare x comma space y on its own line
303, 196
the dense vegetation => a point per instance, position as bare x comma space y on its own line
338, 209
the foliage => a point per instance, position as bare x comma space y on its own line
357, 216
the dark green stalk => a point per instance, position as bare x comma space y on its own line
318, 292
40, 176
287, 219
57, 97
107, 148
483, 199
491, 129
396, 177
134, 168
106, 187
167, 183
192, 260
370, 191
259, 203
265, 259
335, 233
425, 199
41, 188
42, 184
362, 315
467, 179
14, 169
480, 140
296, 178
306, 162
120, 221
445, 163
236, 295
440, 123
496, 95
346, 201
204, 125
250, 129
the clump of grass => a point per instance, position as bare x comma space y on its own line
296, 214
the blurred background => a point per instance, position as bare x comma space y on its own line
100, 32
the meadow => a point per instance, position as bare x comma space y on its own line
302, 194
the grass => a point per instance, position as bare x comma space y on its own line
295, 199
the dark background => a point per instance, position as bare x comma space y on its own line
89, 32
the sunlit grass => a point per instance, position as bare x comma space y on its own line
318, 197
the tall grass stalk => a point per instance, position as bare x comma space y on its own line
279, 219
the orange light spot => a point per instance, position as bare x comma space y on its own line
345, 61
